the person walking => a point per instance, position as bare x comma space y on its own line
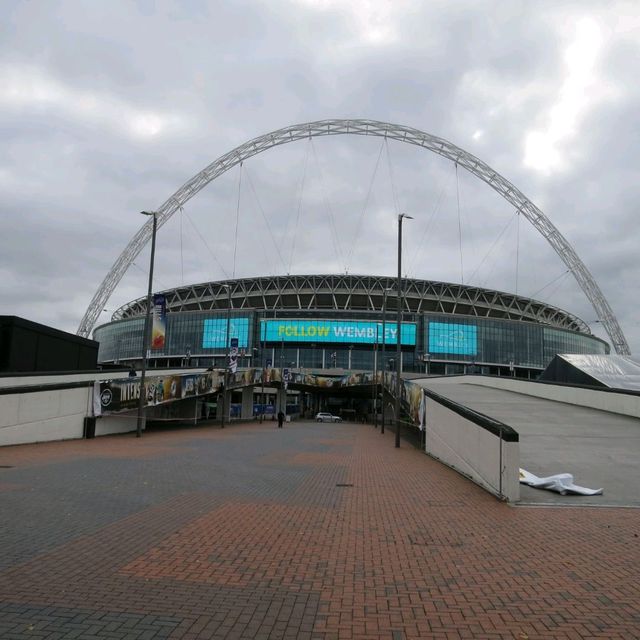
280, 419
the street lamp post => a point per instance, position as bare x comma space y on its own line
399, 327
226, 356
375, 380
147, 323
264, 365
384, 342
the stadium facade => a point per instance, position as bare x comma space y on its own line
341, 322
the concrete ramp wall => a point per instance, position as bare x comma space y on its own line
627, 404
477, 446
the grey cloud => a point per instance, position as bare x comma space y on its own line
231, 71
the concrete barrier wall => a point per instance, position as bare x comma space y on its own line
116, 423
43, 415
460, 443
187, 410
625, 404
57, 414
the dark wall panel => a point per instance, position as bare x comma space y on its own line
27, 346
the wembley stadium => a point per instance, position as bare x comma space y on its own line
349, 322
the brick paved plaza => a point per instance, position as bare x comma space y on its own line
312, 531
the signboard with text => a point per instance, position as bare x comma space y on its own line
158, 321
334, 331
124, 394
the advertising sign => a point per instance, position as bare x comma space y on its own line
214, 333
461, 339
158, 321
349, 331
123, 395
118, 395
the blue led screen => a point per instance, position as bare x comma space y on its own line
334, 331
461, 339
214, 334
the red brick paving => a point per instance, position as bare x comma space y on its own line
411, 550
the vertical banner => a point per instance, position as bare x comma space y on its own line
422, 412
159, 321
285, 377
233, 355
97, 406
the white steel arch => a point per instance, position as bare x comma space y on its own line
363, 128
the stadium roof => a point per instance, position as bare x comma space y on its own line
356, 293
613, 371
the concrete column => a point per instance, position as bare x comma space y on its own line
281, 401
247, 403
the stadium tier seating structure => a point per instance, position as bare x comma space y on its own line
344, 322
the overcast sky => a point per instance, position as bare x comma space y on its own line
107, 108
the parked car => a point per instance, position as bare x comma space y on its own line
327, 417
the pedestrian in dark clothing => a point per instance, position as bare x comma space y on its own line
280, 419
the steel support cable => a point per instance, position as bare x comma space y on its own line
560, 282
517, 249
459, 226
192, 240
364, 208
181, 254
235, 243
295, 232
539, 291
146, 273
401, 133
264, 217
485, 281
430, 221
492, 247
213, 255
334, 232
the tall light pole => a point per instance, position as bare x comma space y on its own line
399, 327
226, 356
147, 323
384, 342
375, 380
263, 337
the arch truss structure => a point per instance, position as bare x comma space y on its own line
363, 128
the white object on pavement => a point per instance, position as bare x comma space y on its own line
562, 483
